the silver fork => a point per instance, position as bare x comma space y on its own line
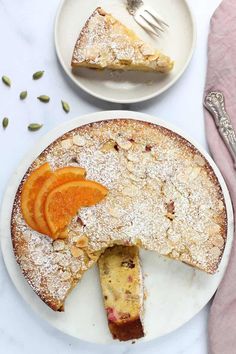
146, 16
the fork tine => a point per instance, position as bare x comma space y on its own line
142, 22
151, 21
155, 15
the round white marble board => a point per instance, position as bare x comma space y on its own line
176, 292
178, 41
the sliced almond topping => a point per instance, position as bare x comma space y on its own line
75, 237
38, 261
165, 249
197, 252
199, 160
79, 140
193, 173
134, 177
175, 254
58, 245
92, 54
108, 146
213, 230
82, 242
130, 191
92, 255
147, 50
123, 58
174, 236
65, 276
215, 252
132, 156
130, 166
124, 144
63, 260
217, 241
76, 252
115, 212
66, 144
155, 57
75, 266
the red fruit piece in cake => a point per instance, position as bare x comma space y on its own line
121, 281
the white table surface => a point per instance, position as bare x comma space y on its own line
26, 37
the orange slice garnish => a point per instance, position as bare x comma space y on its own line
30, 190
64, 201
59, 177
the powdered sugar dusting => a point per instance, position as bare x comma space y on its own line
163, 196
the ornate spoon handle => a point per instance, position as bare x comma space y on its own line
215, 104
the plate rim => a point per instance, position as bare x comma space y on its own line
61, 129
123, 101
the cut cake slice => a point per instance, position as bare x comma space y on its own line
105, 42
121, 281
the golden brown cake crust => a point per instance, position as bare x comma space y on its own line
132, 329
149, 171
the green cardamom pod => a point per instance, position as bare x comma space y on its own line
6, 80
38, 75
23, 95
44, 98
33, 127
5, 122
65, 106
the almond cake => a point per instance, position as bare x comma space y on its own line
105, 42
162, 196
121, 281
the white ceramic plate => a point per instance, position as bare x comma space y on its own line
176, 292
127, 87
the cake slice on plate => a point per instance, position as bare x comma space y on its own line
105, 42
121, 281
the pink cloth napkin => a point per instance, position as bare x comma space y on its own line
221, 75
